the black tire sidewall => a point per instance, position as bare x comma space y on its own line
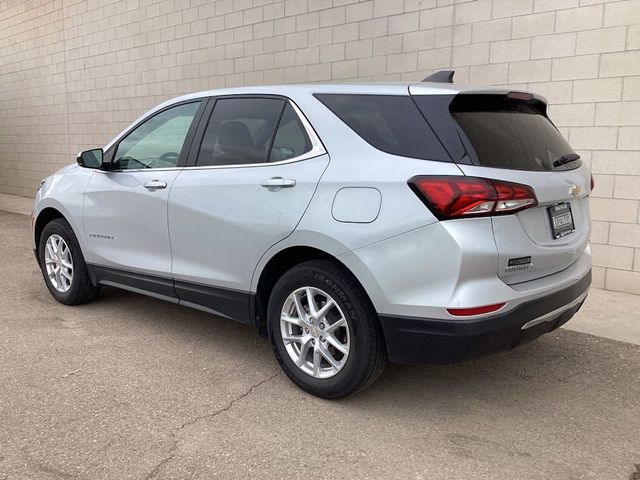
324, 276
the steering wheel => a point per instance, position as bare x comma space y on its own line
131, 159
169, 157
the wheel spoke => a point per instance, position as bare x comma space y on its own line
58, 277
325, 309
66, 274
52, 254
336, 343
304, 349
56, 246
293, 339
328, 357
66, 264
317, 358
299, 307
313, 309
335, 325
288, 319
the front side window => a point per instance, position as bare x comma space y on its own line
156, 143
240, 131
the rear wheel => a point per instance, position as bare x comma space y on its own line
324, 330
63, 266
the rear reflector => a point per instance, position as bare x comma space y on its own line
465, 312
459, 196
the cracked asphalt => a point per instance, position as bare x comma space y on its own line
131, 387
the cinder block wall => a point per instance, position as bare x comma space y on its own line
73, 73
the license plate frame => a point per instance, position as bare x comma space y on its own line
561, 220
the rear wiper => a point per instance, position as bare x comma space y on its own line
564, 159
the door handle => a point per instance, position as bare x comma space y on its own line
155, 185
278, 182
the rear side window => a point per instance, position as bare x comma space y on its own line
240, 131
291, 139
506, 133
391, 123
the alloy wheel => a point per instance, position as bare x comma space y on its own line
59, 263
315, 332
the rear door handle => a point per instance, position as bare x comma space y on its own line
278, 182
155, 185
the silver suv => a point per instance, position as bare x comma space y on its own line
352, 224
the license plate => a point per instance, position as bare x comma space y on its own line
561, 220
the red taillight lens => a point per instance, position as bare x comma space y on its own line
460, 196
465, 312
593, 184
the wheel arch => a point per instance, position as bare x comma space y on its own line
45, 216
277, 265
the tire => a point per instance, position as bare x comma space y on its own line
359, 335
79, 288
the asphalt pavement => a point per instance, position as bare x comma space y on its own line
133, 387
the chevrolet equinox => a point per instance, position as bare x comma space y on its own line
351, 224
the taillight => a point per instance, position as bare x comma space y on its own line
593, 184
459, 196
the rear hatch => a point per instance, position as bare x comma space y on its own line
507, 136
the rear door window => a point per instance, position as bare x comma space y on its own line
291, 139
391, 123
506, 133
240, 131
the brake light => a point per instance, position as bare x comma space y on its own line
465, 312
459, 196
593, 184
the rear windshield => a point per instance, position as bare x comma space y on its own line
391, 123
506, 133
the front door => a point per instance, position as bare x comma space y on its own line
125, 209
257, 169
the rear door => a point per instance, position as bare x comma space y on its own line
251, 176
509, 137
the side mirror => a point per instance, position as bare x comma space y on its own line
90, 158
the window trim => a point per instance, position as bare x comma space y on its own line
317, 147
186, 146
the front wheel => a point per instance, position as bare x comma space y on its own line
63, 266
324, 330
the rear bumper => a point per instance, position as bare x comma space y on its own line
424, 340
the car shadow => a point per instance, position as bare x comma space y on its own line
537, 368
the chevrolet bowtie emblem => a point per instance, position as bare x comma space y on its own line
574, 190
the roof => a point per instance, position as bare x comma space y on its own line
397, 88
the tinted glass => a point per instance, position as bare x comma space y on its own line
291, 139
240, 131
510, 134
156, 143
389, 123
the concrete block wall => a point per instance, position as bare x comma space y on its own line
73, 73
